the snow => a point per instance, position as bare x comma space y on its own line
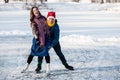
53, 1
89, 38
85, 1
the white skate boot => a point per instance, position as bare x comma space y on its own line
26, 67
47, 69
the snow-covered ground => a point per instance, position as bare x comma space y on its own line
90, 41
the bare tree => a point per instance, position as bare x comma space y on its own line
41, 1
93, 1
33, 0
26, 2
6, 1
102, 1
76, 0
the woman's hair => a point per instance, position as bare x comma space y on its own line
32, 14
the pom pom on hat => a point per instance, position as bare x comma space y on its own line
51, 14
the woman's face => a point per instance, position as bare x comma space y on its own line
35, 11
51, 20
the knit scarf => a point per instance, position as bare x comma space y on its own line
40, 29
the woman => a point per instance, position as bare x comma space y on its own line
54, 36
41, 40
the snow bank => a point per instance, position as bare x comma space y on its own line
83, 6
69, 6
72, 40
15, 33
81, 40
52, 0
11, 7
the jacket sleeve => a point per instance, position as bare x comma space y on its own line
56, 36
33, 27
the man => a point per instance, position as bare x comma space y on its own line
54, 35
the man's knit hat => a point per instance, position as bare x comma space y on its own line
51, 14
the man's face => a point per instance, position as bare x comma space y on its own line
51, 20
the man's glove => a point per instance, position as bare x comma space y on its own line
49, 47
